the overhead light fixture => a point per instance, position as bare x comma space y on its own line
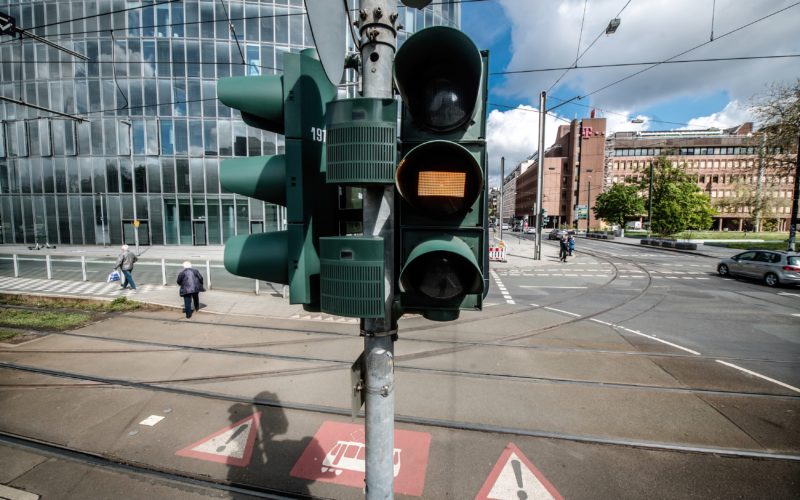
612, 26
637, 120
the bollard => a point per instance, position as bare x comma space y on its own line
163, 272
256, 287
16, 267
208, 275
83, 267
49, 270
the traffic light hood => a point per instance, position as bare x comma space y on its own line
259, 98
443, 269
438, 73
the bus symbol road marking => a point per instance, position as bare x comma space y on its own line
514, 477
232, 445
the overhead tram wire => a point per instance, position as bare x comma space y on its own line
690, 50
578, 58
577, 51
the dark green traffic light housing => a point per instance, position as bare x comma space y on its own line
292, 104
441, 178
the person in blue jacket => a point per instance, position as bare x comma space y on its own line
571, 244
191, 284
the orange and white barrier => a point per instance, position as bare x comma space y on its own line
498, 253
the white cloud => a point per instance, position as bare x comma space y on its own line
514, 134
545, 34
733, 114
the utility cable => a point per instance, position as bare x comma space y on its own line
689, 50
232, 31
577, 50
114, 68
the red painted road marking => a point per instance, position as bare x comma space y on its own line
515, 477
232, 445
337, 455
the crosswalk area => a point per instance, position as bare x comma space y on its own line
77, 288
606, 272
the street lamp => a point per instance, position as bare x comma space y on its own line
133, 178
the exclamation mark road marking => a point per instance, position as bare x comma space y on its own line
238, 431
502, 288
518, 474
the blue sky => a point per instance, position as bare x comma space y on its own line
540, 34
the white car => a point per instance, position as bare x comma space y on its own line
505, 227
531, 230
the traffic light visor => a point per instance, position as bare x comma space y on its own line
438, 73
442, 269
439, 178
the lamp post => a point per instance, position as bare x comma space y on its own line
650, 203
133, 183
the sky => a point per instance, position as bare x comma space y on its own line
524, 35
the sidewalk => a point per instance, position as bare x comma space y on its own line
269, 303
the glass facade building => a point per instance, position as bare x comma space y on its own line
145, 133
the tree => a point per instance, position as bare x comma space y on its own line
778, 111
678, 204
618, 203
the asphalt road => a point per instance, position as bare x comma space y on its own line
626, 372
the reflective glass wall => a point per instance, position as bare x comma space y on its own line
136, 131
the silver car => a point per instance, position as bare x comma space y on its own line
771, 266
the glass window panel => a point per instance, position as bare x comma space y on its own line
177, 20
149, 54
134, 57
195, 138
165, 97
112, 176
167, 137
182, 174
138, 137
170, 222
228, 219
296, 29
194, 98
60, 175
153, 175
48, 180
192, 14
251, 33
193, 58
209, 98
221, 26
206, 19
141, 181
151, 129
110, 92
210, 138
99, 173
164, 53
35, 166
73, 184
185, 222
281, 25
240, 139
178, 58
148, 21
214, 234
135, 97
45, 141
181, 137
168, 175
253, 59
224, 132
196, 171
33, 131
223, 59
208, 54
125, 175
162, 21
86, 166
178, 98
96, 127
242, 217
212, 176
110, 127
267, 24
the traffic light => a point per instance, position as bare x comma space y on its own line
292, 104
441, 178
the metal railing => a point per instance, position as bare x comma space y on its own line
146, 271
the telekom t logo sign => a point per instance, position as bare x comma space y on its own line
586, 132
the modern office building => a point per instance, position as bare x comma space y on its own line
135, 133
584, 161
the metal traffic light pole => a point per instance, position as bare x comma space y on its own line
378, 36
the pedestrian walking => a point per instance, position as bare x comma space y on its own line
563, 249
125, 263
571, 244
191, 284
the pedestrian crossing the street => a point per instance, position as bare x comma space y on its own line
81, 288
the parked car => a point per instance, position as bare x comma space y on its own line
531, 230
505, 227
772, 267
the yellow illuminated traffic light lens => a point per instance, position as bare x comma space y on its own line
433, 183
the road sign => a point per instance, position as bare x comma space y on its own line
232, 445
337, 454
514, 476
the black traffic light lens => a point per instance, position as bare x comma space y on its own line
441, 276
445, 105
438, 73
440, 178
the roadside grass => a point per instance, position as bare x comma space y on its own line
732, 235
764, 245
24, 314
42, 320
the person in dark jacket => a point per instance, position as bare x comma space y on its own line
563, 248
125, 263
191, 284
